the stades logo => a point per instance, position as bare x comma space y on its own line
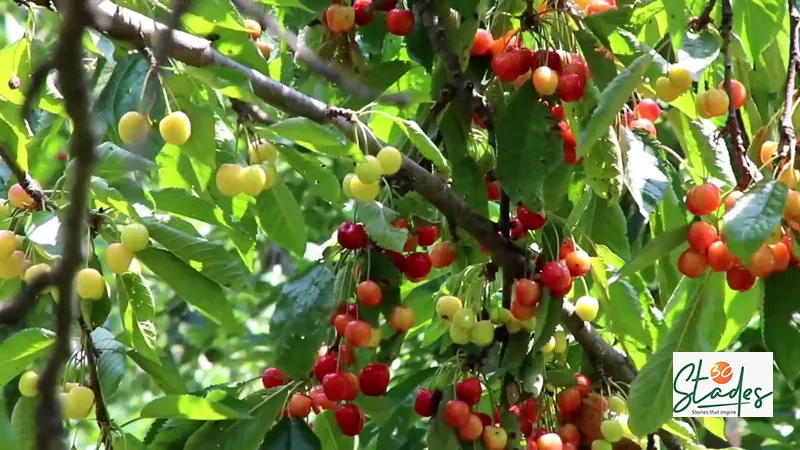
707, 384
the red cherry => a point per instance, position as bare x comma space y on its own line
550, 441
318, 395
557, 111
570, 87
511, 64
704, 199
530, 220
300, 405
738, 92
388, 5
273, 377
369, 293
569, 400
352, 236
374, 379
782, 256
469, 391
350, 419
481, 43
352, 388
400, 223
527, 292
417, 266
472, 430
648, 109
62, 155
398, 260
567, 247
646, 125
427, 235
486, 420
358, 333
584, 384
492, 191
400, 22
521, 312
324, 366
718, 256
363, 15
411, 243
336, 386
560, 293
578, 263
341, 321
570, 434
692, 263
442, 254
555, 275
402, 318
529, 410
476, 119
530, 444
549, 58
517, 230
424, 404
456, 413
701, 235
740, 279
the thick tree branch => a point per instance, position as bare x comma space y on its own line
788, 139
68, 59
746, 170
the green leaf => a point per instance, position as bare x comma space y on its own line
241, 434
20, 59
211, 258
305, 303
137, 309
14, 134
20, 349
698, 51
312, 135
549, 314
780, 328
643, 176
650, 398
7, 439
603, 166
190, 285
281, 218
164, 374
468, 181
656, 248
611, 101
677, 21
757, 23
183, 203
739, 310
560, 378
188, 407
329, 434
23, 422
619, 303
127, 441
291, 433
527, 149
111, 362
605, 223
114, 162
705, 151
754, 217
422, 142
319, 175
377, 220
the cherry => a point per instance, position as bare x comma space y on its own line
494, 438
486, 420
578, 263
352, 236
648, 109
253, 28
738, 92
340, 18
471, 430
374, 379
358, 333
442, 254
731, 199
718, 256
545, 80
352, 387
530, 220
692, 263
701, 235
400, 22
401, 318
646, 125
547, 58
388, 5
563, 291
400, 223
273, 377
522, 313
427, 235
456, 413
517, 230
557, 111
350, 419
570, 144
782, 256
584, 384
555, 275
704, 199
740, 279
369, 293
550, 441
411, 243
569, 400
570, 87
530, 444
363, 15
341, 321
567, 247
762, 262
586, 307
324, 366
570, 434
469, 391
300, 405
511, 64
527, 292
424, 404
492, 190
318, 395
666, 91
417, 266
336, 386
792, 209
767, 152
481, 43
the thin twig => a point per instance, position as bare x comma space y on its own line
700, 22
314, 62
101, 412
788, 139
24, 180
68, 58
13, 312
745, 168
251, 112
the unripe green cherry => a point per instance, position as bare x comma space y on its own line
175, 128
611, 430
365, 192
135, 237
118, 258
369, 170
482, 334
529, 325
561, 342
549, 346
27, 384
465, 319
346, 185
514, 326
390, 159
601, 444
500, 316
90, 284
617, 404
459, 336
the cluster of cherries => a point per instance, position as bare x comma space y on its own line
552, 71
585, 417
707, 247
341, 18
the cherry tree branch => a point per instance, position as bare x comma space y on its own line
746, 170
788, 138
24, 180
101, 411
700, 22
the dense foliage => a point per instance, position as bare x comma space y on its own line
446, 224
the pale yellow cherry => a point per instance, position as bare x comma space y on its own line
135, 237
680, 78
253, 180
8, 244
369, 170
665, 91
35, 271
27, 384
346, 185
133, 127
229, 179
176, 128
13, 266
118, 258
262, 151
78, 403
364, 192
90, 284
390, 160
272, 175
